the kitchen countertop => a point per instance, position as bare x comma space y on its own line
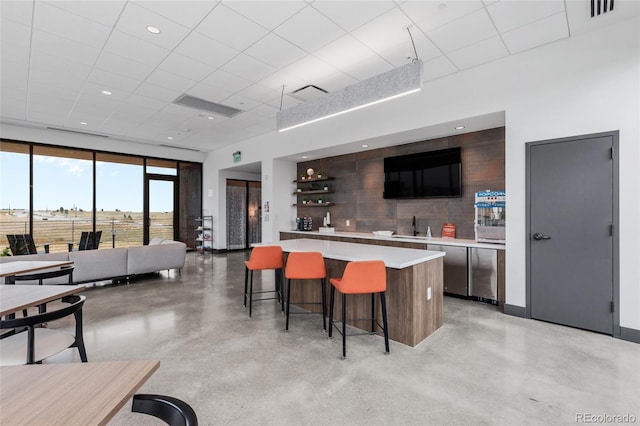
393, 257
407, 239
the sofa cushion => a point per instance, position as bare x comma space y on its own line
156, 240
94, 265
145, 259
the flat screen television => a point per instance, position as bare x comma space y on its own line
424, 175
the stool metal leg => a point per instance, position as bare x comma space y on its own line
373, 312
344, 325
286, 327
250, 292
331, 298
383, 302
324, 304
246, 283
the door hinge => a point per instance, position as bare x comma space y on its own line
611, 230
613, 153
613, 306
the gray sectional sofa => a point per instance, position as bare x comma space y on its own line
116, 263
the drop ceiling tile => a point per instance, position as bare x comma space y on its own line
246, 67
135, 19
385, 31
352, 14
275, 51
67, 49
240, 102
73, 27
368, 67
45, 89
436, 68
266, 111
14, 36
46, 103
104, 12
429, 15
209, 93
402, 53
538, 33
259, 93
75, 118
186, 67
170, 81
287, 102
310, 69
478, 53
136, 49
335, 81
227, 81
231, 28
462, 32
114, 81
284, 77
508, 15
50, 118
16, 11
58, 79
123, 66
206, 50
343, 52
135, 101
157, 92
187, 13
268, 14
13, 109
318, 30
94, 91
180, 111
45, 63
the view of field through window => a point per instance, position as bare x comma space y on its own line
63, 197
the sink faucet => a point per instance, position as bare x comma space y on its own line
413, 224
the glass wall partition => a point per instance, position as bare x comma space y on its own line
56, 193
120, 218
62, 195
14, 191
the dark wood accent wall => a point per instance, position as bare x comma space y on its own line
359, 182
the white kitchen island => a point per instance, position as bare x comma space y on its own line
414, 285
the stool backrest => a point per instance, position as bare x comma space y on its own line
266, 257
305, 265
365, 276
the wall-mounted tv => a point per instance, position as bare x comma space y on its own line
426, 174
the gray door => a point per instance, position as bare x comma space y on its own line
571, 198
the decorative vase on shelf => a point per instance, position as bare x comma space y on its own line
310, 172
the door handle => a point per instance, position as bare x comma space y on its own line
538, 236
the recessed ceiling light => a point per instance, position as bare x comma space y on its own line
106, 92
304, 157
365, 146
459, 127
153, 30
170, 138
84, 123
209, 118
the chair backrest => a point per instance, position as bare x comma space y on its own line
305, 265
41, 276
365, 276
266, 257
21, 244
172, 411
32, 321
89, 240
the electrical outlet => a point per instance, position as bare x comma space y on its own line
348, 222
428, 293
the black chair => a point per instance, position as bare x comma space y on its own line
23, 244
88, 241
172, 411
32, 343
40, 277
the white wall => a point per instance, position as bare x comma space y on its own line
586, 84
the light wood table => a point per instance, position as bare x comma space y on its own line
9, 269
14, 298
69, 394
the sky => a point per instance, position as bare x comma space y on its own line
66, 182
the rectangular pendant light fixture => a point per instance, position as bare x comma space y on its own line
392, 84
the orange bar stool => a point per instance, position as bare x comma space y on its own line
263, 258
306, 266
361, 277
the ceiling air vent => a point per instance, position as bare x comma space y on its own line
203, 105
308, 93
598, 7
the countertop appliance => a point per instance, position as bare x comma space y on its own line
490, 208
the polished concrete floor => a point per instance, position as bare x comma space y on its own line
481, 368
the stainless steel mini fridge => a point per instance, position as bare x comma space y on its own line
454, 269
